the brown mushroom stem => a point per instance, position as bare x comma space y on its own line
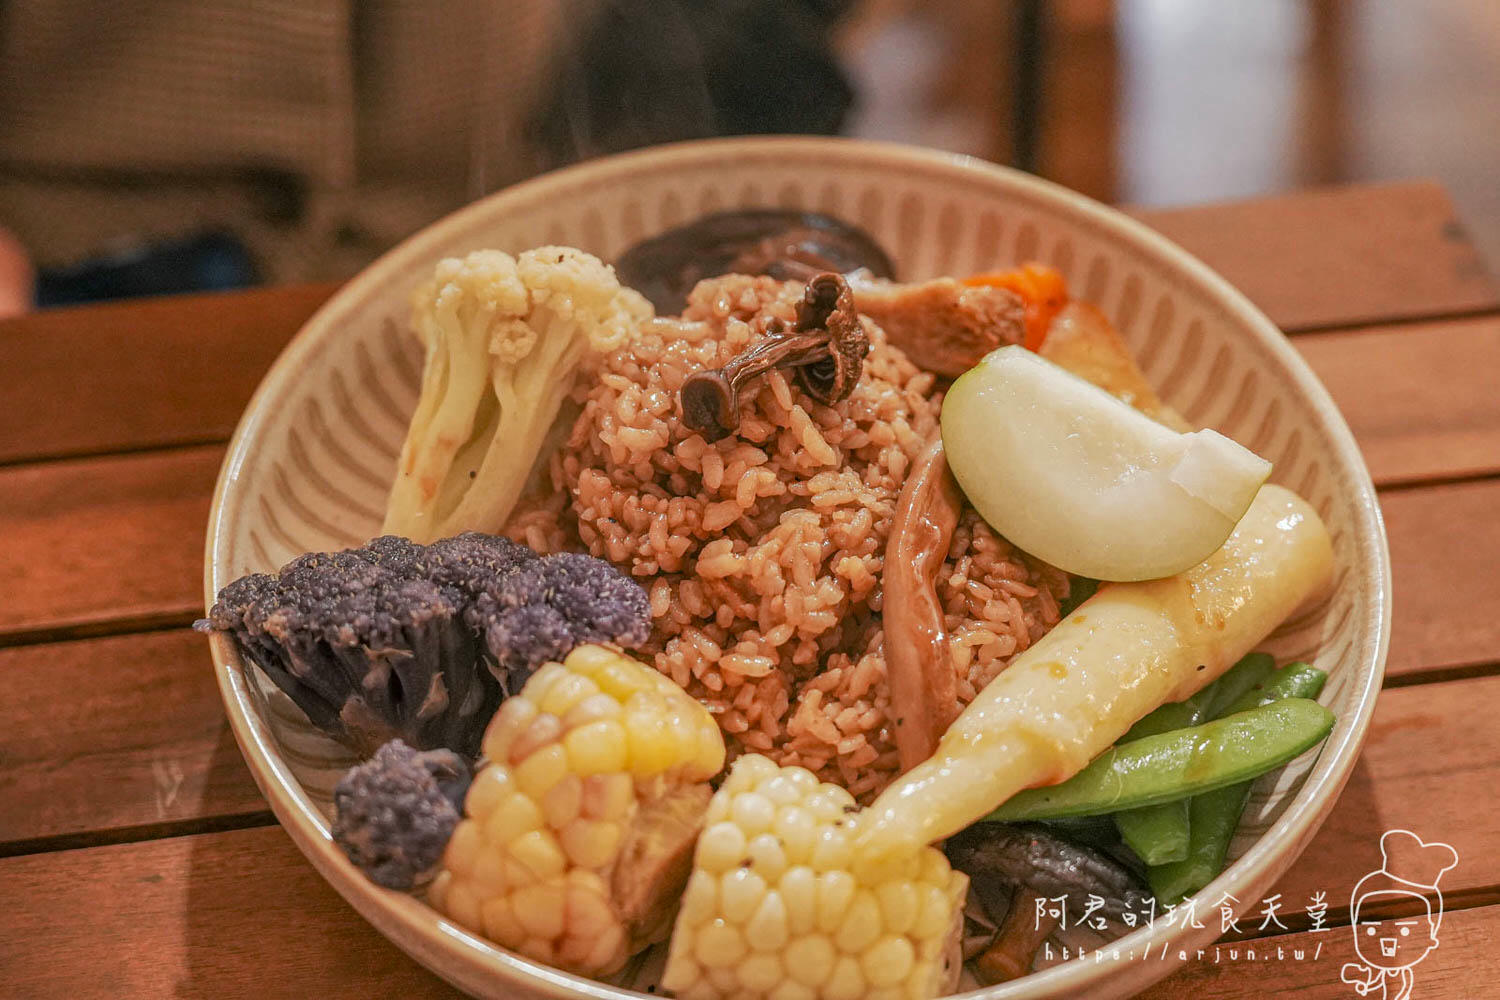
825, 348
1014, 949
924, 688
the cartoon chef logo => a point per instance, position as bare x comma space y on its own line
1389, 948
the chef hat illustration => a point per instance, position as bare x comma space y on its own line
1410, 865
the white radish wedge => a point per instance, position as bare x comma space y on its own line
1078, 478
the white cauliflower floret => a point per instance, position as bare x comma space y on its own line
505, 338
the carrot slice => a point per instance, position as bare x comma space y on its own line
1043, 289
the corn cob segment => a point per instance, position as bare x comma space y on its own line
578, 832
778, 907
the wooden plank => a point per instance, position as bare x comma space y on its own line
1445, 557
142, 373
1429, 765
226, 915
1363, 254
149, 373
1423, 400
114, 542
94, 541
1463, 966
143, 741
115, 737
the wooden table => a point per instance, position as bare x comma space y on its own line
137, 858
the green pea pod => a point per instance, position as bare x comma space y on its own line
1295, 680
1160, 834
1250, 672
1214, 816
1178, 764
1157, 834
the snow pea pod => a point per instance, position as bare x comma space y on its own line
1177, 764
1210, 703
1214, 816
1160, 834
1295, 680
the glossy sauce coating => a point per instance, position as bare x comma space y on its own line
924, 690
1084, 684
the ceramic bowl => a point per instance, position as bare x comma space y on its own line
310, 462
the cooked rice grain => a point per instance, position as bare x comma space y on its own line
762, 552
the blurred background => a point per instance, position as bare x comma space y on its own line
176, 145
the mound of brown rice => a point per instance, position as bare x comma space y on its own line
762, 552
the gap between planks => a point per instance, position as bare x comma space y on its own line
165, 371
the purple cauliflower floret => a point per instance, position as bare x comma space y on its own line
542, 610
422, 642
395, 812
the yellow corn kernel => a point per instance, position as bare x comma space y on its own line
533, 864
719, 945
790, 989
563, 802
861, 923
541, 682
514, 816
809, 959
767, 855
592, 709
489, 874
500, 923
491, 786
721, 847
567, 691
438, 890
835, 892
742, 891
543, 769
591, 843
652, 750
597, 748
847, 982
799, 888
592, 660
539, 950
753, 813
935, 914
543, 730
899, 904
514, 716
462, 904
463, 848
888, 961
619, 682
540, 908
761, 972
777, 908
768, 928
832, 850
700, 900
538, 852
607, 796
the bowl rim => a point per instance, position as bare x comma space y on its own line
470, 961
